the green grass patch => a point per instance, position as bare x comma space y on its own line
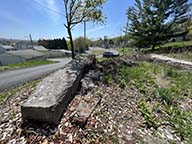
143, 77
98, 52
6, 94
160, 103
181, 121
139, 76
164, 95
101, 59
25, 65
125, 51
178, 44
170, 44
149, 118
183, 56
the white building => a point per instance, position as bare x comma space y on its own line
11, 57
7, 47
2, 50
6, 58
40, 48
28, 54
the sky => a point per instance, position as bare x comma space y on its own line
19, 18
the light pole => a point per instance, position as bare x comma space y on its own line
31, 40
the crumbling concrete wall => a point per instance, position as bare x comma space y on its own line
53, 93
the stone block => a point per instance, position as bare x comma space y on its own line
53, 93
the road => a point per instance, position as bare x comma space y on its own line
14, 78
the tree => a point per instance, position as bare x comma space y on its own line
79, 44
152, 22
77, 11
182, 30
54, 44
105, 40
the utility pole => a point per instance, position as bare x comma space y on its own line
31, 40
85, 32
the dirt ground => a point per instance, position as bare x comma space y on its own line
115, 119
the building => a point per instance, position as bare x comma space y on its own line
28, 54
6, 58
40, 48
7, 47
2, 50
12, 57
65, 52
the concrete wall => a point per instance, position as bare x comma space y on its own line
53, 94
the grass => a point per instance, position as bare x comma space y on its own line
149, 118
122, 51
164, 95
160, 103
125, 51
181, 121
184, 56
170, 44
24, 65
178, 44
101, 59
6, 94
98, 52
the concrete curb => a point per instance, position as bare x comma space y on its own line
171, 61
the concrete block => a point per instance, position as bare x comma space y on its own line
53, 93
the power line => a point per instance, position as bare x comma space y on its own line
52, 10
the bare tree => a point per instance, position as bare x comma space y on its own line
77, 11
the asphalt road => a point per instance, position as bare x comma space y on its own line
14, 78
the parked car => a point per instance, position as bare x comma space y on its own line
108, 54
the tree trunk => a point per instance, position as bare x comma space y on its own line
71, 42
184, 37
153, 47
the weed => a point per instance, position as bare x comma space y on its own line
99, 93
139, 76
126, 51
149, 119
181, 121
171, 73
164, 94
114, 139
101, 59
161, 100
108, 79
122, 84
